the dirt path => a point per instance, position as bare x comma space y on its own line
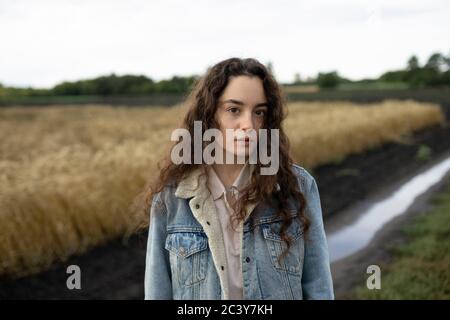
351, 271
116, 271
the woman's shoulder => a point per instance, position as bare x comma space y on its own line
304, 176
166, 192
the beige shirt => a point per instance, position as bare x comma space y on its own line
222, 201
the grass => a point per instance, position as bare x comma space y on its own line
420, 269
68, 174
377, 85
355, 86
301, 89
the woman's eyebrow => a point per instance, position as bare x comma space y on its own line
238, 102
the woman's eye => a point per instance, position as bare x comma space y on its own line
260, 112
233, 110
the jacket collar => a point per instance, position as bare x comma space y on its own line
189, 186
195, 185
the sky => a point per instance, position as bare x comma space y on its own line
49, 41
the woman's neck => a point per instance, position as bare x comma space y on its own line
227, 173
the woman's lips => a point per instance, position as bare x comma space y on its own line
244, 140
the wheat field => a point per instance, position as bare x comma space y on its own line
68, 174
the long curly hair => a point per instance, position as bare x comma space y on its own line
202, 102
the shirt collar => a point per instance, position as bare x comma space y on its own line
216, 186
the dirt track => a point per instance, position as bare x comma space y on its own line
351, 270
116, 271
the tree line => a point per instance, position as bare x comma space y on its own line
108, 85
435, 72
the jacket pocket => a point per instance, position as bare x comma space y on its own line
292, 262
188, 256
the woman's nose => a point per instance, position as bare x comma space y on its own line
246, 121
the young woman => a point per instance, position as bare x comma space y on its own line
226, 230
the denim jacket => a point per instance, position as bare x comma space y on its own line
186, 258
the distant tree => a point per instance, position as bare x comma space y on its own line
413, 63
124, 85
328, 80
431, 74
175, 85
394, 76
67, 88
447, 61
297, 78
435, 62
435, 72
413, 73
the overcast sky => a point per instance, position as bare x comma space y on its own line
48, 41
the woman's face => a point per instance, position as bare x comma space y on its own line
243, 106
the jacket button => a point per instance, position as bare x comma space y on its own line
197, 206
221, 267
247, 259
207, 222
